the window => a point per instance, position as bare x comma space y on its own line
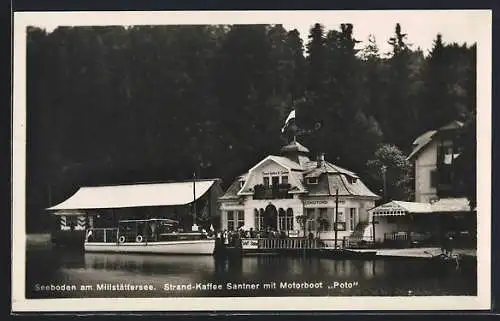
352, 218
434, 178
323, 213
259, 219
235, 221
275, 181
312, 180
311, 220
230, 220
289, 219
281, 220
266, 181
284, 179
241, 219
242, 183
447, 153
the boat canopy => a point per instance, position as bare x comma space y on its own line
136, 195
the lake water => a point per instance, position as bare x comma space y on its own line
56, 273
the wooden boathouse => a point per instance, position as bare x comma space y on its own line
104, 206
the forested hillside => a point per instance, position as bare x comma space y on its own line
110, 105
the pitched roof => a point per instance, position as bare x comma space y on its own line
421, 142
232, 191
286, 162
460, 204
424, 139
294, 147
313, 170
415, 207
136, 195
400, 208
330, 183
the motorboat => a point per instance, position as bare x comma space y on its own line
155, 236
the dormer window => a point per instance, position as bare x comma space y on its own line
242, 183
312, 180
351, 180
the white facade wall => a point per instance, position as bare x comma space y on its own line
306, 205
425, 163
268, 169
389, 224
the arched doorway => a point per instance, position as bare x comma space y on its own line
271, 217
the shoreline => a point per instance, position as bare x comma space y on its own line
38, 240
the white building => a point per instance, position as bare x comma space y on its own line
280, 188
440, 205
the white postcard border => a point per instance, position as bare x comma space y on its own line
479, 20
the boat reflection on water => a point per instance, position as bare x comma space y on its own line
149, 264
271, 267
383, 276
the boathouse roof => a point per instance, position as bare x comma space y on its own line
136, 195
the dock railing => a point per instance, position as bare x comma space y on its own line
289, 243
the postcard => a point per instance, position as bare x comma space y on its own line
302, 160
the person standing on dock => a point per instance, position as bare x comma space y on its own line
449, 244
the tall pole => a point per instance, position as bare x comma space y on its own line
336, 214
194, 197
373, 225
384, 170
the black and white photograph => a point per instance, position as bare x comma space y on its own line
308, 160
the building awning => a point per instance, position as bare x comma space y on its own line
400, 208
135, 195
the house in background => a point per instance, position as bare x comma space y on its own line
440, 204
433, 156
278, 189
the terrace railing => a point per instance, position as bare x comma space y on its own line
290, 243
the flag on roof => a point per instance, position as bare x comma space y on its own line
289, 119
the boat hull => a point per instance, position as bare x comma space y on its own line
195, 247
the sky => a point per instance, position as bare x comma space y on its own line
421, 26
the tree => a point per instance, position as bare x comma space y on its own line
297, 60
402, 112
391, 172
374, 75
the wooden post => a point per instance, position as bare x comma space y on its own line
373, 224
336, 215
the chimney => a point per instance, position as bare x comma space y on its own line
320, 160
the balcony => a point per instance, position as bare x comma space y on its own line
279, 191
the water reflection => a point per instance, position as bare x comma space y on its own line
376, 277
149, 264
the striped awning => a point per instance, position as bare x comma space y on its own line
400, 208
389, 212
